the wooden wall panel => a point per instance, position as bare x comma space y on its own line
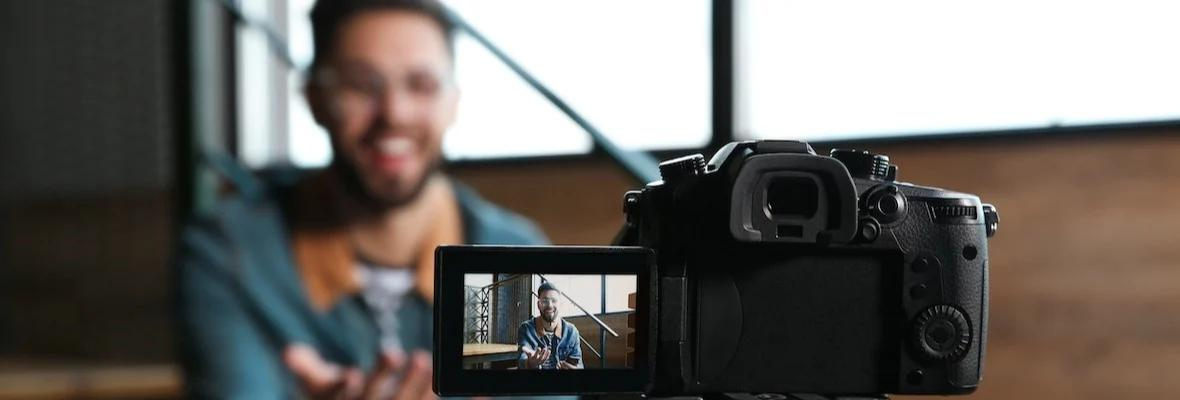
616, 347
1085, 268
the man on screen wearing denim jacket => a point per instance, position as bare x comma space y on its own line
547, 341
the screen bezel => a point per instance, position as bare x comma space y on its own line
452, 263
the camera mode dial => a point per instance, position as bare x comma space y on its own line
941, 333
863, 164
682, 167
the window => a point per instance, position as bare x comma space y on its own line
586, 290
262, 88
821, 70
638, 70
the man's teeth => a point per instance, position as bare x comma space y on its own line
396, 146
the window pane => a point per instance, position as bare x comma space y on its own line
618, 287
586, 290
308, 143
499, 115
255, 64
644, 81
854, 69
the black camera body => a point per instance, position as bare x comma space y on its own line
768, 269
782, 271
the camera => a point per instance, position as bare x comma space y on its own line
767, 269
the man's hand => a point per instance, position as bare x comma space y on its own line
567, 365
535, 357
393, 378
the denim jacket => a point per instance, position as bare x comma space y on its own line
569, 347
240, 298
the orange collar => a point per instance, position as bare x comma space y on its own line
325, 255
537, 323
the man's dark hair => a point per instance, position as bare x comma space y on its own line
545, 287
327, 16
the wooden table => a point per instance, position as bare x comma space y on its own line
64, 380
483, 353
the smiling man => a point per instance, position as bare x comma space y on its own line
319, 283
547, 341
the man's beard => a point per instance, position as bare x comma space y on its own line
548, 317
356, 187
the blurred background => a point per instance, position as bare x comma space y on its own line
1063, 114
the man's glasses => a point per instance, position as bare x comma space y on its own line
548, 301
357, 90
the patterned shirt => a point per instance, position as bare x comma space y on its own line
384, 290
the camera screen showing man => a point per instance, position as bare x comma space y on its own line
546, 341
536, 321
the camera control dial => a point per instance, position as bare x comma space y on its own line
863, 164
682, 167
941, 333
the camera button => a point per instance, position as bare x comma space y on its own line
918, 291
887, 204
869, 230
915, 377
920, 265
